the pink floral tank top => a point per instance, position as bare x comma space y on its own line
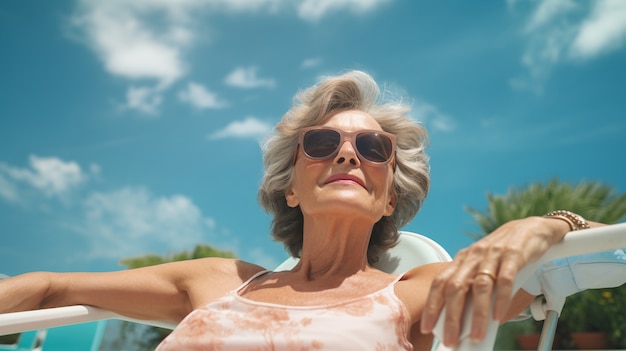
378, 321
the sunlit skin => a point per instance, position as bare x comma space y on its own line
342, 192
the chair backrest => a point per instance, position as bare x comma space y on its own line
411, 251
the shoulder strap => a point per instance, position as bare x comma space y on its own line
258, 274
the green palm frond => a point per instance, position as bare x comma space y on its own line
592, 200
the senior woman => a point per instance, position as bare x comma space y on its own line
344, 171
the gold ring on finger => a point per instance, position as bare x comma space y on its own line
487, 273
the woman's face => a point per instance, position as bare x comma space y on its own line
343, 185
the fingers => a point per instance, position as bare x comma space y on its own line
449, 288
475, 275
504, 292
433, 306
439, 296
482, 292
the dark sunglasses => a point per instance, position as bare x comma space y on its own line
322, 143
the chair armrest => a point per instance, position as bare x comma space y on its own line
17, 322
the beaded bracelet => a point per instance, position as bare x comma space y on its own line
575, 221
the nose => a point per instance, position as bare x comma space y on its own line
347, 153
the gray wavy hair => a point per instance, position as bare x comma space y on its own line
354, 90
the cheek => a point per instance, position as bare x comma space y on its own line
305, 175
386, 178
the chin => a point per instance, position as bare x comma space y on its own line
357, 207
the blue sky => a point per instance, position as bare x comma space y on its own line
133, 127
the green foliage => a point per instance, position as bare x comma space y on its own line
598, 310
200, 251
589, 310
139, 337
507, 333
594, 201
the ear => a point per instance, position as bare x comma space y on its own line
292, 198
391, 204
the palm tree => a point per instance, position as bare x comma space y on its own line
592, 200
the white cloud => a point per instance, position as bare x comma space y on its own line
547, 11
563, 31
139, 40
248, 128
131, 44
314, 10
144, 99
604, 30
51, 176
7, 189
95, 169
148, 40
132, 221
246, 77
198, 96
311, 62
129, 221
433, 118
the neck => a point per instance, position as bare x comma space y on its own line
334, 248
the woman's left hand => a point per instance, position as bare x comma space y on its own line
491, 263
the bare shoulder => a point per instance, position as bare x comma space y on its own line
225, 270
207, 279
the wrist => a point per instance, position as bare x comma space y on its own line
34, 289
554, 228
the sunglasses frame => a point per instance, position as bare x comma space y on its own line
350, 136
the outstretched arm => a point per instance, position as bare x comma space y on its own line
166, 292
489, 265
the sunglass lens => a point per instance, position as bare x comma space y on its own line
374, 147
321, 143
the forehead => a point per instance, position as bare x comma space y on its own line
351, 120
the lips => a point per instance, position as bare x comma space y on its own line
335, 178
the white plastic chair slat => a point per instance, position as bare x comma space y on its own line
18, 322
